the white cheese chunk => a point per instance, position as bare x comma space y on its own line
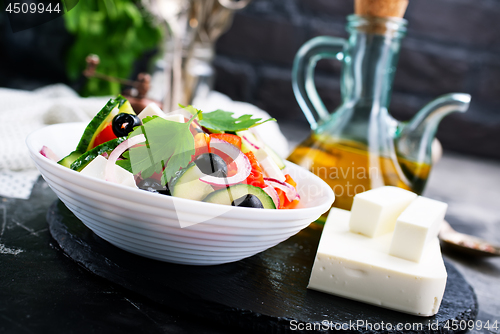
360, 268
269, 166
97, 167
175, 118
151, 109
415, 227
374, 212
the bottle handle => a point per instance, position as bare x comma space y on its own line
303, 75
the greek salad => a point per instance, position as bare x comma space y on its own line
211, 157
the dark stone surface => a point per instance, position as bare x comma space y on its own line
426, 73
43, 291
469, 22
235, 77
261, 39
34, 57
456, 133
262, 294
489, 84
325, 7
274, 95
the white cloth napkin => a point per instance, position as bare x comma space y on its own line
23, 112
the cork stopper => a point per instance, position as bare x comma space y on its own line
381, 8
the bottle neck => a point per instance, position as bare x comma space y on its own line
370, 62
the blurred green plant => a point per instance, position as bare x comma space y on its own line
118, 31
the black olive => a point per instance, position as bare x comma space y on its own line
248, 201
123, 124
211, 164
152, 185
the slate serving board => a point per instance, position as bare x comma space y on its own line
265, 293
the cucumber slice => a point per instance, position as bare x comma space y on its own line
69, 159
186, 184
103, 117
248, 139
228, 195
85, 158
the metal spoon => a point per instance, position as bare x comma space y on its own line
466, 243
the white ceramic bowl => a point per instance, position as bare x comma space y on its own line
167, 228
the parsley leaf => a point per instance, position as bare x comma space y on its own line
125, 162
220, 120
168, 148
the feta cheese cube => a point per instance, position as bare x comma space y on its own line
417, 226
97, 167
360, 268
374, 212
269, 166
175, 118
151, 109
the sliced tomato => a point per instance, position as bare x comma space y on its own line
104, 136
256, 178
292, 204
284, 202
282, 197
230, 138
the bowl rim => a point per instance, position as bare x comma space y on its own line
119, 191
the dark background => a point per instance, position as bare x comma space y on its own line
451, 46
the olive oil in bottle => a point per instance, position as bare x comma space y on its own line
348, 168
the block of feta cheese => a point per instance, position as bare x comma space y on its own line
175, 118
374, 212
357, 267
269, 166
416, 227
152, 109
96, 169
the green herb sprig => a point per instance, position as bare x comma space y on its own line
220, 120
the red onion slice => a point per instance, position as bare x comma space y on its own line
109, 172
288, 189
49, 154
243, 165
273, 194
